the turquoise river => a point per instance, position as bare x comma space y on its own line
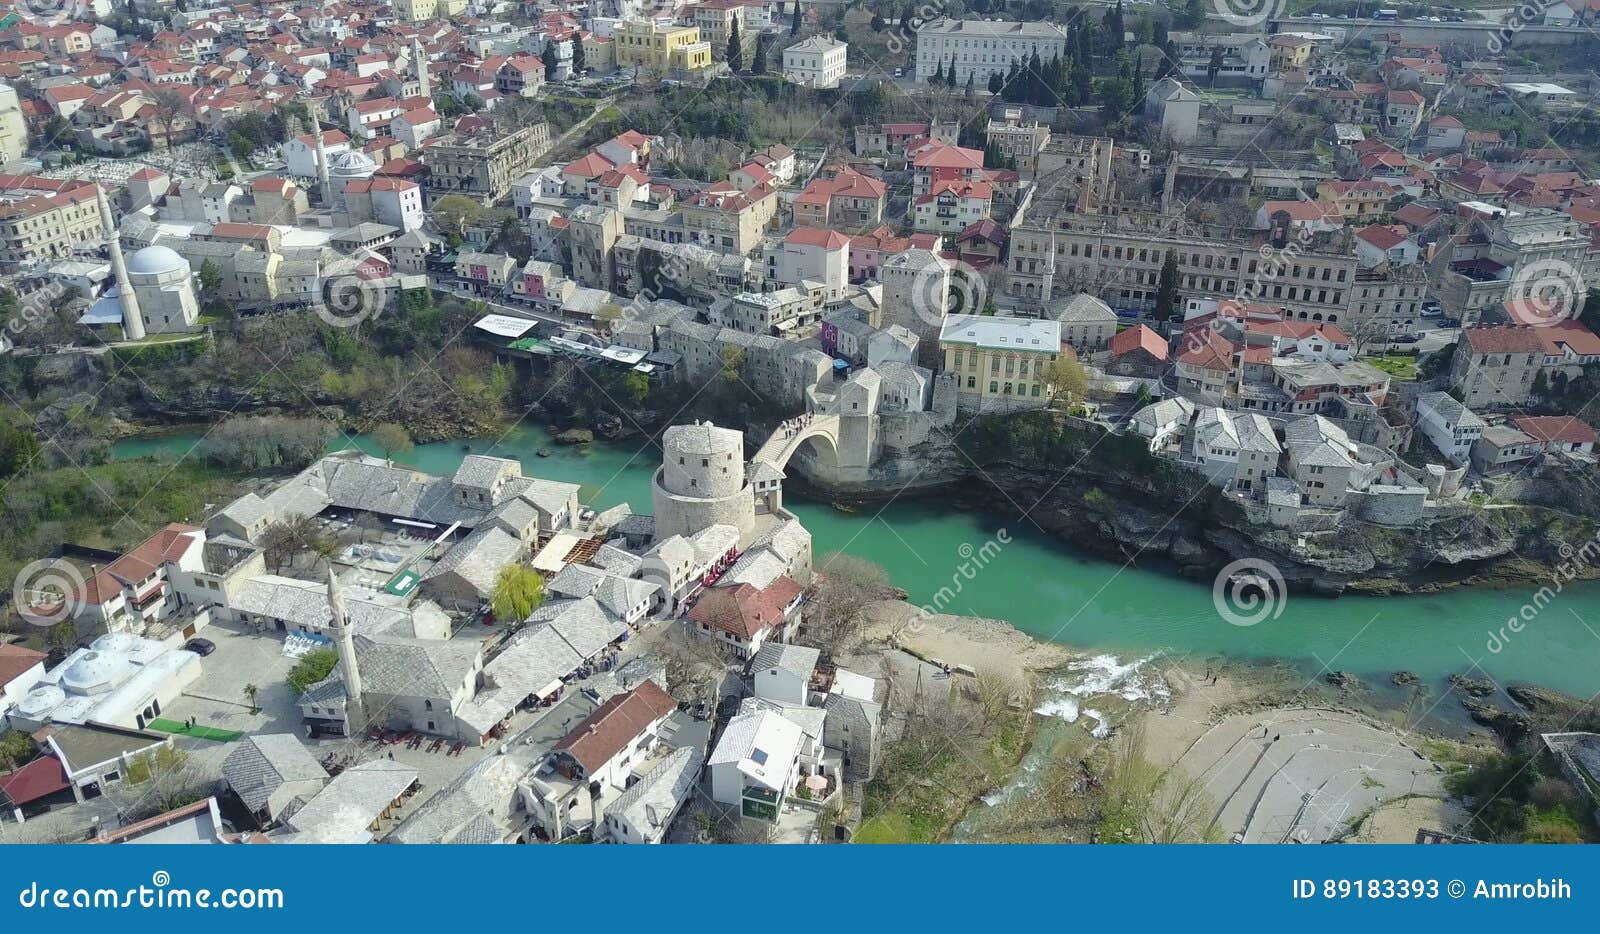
1043, 587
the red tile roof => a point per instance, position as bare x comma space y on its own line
1503, 340
817, 236
744, 611
1549, 428
43, 776
609, 728
1206, 349
1139, 338
16, 660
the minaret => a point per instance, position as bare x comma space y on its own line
344, 639
419, 59
132, 320
322, 163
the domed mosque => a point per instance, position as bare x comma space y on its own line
344, 168
163, 282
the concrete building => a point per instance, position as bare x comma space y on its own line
661, 49
1174, 108
981, 48
817, 62
1004, 363
1451, 427
485, 164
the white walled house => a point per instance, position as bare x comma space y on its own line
757, 762
817, 62
1450, 426
783, 672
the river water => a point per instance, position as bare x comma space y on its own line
1043, 587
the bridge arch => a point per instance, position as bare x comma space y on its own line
821, 431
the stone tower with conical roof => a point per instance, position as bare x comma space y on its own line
344, 640
132, 319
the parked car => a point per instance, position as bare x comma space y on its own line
200, 647
1449, 322
1405, 339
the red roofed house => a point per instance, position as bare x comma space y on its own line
841, 195
1381, 244
169, 571
1138, 351
597, 760
1495, 367
743, 617
1205, 361
934, 162
814, 254
1403, 112
952, 206
1557, 433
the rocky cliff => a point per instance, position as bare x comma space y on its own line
1171, 519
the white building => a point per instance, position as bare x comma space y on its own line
980, 48
817, 62
120, 680
757, 762
164, 284
1452, 427
300, 153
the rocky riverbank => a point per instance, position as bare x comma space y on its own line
1185, 528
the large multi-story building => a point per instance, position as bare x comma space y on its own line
715, 19
1246, 56
1514, 255
1000, 362
661, 49
1119, 258
44, 219
484, 165
724, 218
980, 48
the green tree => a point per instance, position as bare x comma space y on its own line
877, 23
1214, 65
758, 61
391, 439
18, 448
996, 83
1167, 291
518, 591
455, 213
550, 59
735, 47
16, 749
240, 145
312, 668
638, 386
578, 63
794, 17
210, 277
1070, 379
250, 692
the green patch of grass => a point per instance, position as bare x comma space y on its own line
893, 827
198, 731
1400, 366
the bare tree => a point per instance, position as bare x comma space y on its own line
842, 587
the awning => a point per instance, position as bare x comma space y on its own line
504, 325
548, 689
